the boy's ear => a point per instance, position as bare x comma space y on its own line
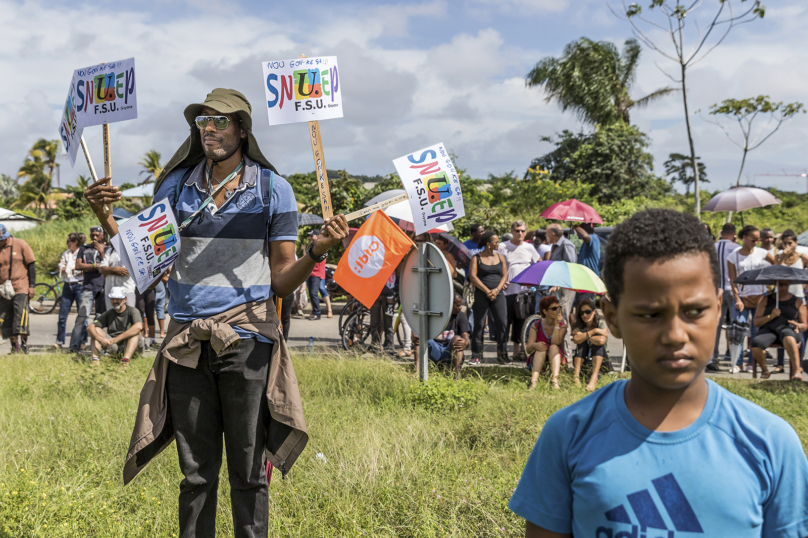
610, 313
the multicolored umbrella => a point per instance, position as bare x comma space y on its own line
572, 210
571, 276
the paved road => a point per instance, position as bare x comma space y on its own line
324, 331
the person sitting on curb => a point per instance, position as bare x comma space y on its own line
123, 323
452, 343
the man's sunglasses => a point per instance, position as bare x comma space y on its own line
220, 122
585, 312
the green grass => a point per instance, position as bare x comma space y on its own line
391, 468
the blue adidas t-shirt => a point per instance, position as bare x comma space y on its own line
738, 471
224, 261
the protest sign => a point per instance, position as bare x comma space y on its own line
431, 181
148, 243
306, 89
105, 93
69, 131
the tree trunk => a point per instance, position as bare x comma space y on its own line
692, 148
743, 162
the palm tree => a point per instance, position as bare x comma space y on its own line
593, 80
151, 166
38, 168
9, 190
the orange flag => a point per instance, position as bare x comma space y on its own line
374, 253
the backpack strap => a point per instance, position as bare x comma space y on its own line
181, 182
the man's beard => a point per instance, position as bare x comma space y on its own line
229, 147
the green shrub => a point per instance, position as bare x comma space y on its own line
443, 394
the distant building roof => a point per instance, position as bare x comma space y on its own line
7, 214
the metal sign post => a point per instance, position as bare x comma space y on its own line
428, 299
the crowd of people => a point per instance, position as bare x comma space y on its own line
98, 283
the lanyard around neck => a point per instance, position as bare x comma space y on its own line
209, 199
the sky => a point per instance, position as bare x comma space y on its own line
413, 74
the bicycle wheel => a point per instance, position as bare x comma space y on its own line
349, 308
526, 328
45, 299
355, 334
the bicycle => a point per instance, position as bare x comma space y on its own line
46, 296
354, 333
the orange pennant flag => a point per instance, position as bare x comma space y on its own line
374, 253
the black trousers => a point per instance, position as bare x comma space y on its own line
514, 321
222, 396
381, 322
14, 316
499, 314
145, 304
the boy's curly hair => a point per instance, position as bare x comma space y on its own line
655, 234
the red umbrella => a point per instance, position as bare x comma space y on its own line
572, 210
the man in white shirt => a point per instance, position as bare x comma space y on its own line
725, 246
520, 255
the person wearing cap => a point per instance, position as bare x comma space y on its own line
224, 369
17, 279
89, 259
315, 284
117, 330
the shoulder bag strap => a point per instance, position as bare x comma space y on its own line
11, 258
267, 186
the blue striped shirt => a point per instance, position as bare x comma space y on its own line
223, 261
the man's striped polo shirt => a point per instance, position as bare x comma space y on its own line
223, 259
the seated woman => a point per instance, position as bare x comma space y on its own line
546, 338
589, 333
780, 325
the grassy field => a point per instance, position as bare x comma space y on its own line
394, 463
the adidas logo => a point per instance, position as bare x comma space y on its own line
648, 516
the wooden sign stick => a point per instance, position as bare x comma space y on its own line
376, 207
320, 170
93, 174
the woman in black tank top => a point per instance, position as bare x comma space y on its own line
488, 273
783, 325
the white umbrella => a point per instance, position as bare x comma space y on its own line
402, 211
385, 196
740, 198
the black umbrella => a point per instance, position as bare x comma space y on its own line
307, 219
772, 275
119, 213
457, 249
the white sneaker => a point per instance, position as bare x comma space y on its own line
734, 370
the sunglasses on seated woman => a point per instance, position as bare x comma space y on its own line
586, 312
552, 309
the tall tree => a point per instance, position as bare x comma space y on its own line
9, 190
38, 169
673, 26
593, 80
151, 166
679, 168
745, 112
612, 161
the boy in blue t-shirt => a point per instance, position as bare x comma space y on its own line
667, 453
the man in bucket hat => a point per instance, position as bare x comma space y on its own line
117, 330
17, 279
224, 369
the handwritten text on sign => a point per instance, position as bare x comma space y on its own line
305, 89
431, 181
151, 242
105, 93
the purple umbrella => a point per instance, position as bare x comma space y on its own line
740, 198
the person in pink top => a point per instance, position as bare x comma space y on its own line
546, 339
315, 285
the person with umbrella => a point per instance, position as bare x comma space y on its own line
747, 258
546, 339
780, 318
791, 255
